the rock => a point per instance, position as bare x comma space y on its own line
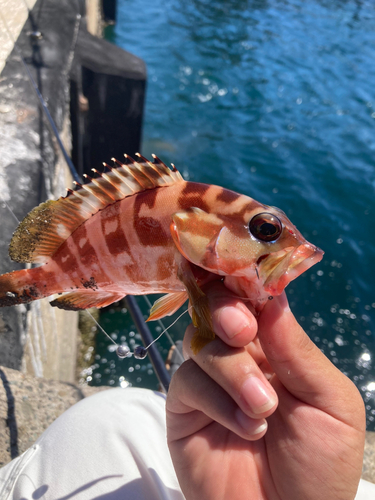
368, 470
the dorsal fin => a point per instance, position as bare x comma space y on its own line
47, 226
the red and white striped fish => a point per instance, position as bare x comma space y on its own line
139, 229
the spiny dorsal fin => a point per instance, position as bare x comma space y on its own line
47, 226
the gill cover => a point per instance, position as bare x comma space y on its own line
210, 241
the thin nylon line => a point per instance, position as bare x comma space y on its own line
8, 207
102, 329
159, 321
175, 321
42, 101
155, 340
27, 7
163, 328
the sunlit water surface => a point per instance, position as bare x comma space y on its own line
275, 100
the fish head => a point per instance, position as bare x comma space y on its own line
257, 244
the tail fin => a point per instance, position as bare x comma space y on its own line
20, 287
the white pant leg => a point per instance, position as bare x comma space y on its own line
366, 491
110, 445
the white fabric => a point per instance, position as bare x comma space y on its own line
366, 491
111, 446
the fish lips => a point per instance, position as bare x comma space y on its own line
278, 269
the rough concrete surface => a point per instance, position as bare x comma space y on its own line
13, 16
28, 405
51, 342
368, 470
94, 18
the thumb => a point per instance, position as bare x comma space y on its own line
299, 364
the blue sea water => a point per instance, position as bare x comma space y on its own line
274, 99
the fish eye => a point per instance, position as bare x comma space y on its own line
265, 227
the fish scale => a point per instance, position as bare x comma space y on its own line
140, 228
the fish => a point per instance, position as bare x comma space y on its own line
139, 228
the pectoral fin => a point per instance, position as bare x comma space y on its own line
201, 314
167, 305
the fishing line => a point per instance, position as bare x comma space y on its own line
27, 264
247, 299
140, 352
171, 341
101, 328
174, 322
41, 100
8, 207
27, 6
122, 351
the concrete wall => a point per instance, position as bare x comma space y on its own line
95, 94
13, 16
34, 338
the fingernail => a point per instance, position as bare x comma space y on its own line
233, 321
257, 395
250, 425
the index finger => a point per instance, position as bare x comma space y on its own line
232, 320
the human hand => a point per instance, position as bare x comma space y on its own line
263, 414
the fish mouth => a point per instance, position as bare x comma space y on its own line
278, 269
